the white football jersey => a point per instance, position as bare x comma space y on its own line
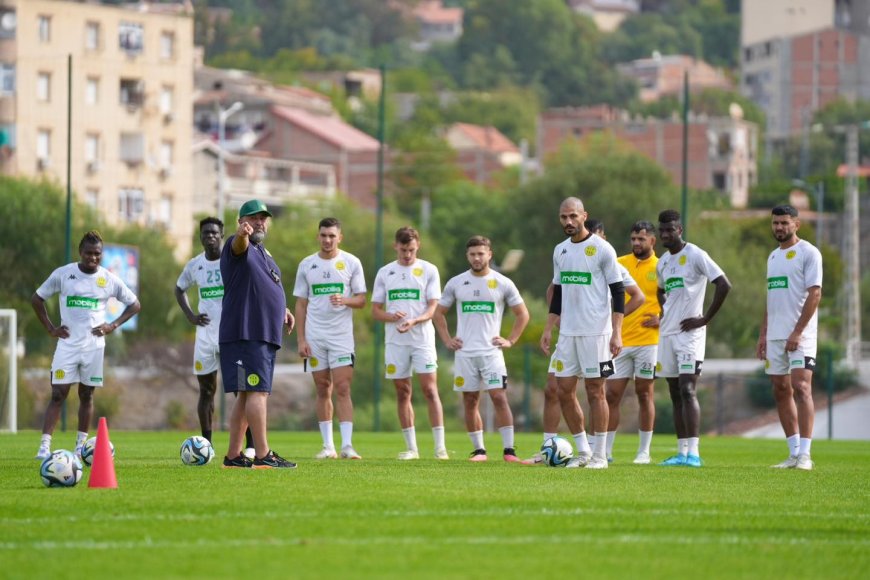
318, 279
408, 289
83, 299
585, 271
480, 303
790, 273
206, 275
684, 277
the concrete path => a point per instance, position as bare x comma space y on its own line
851, 420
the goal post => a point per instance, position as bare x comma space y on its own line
8, 370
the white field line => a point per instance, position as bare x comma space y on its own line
581, 539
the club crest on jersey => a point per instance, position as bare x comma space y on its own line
459, 382
102, 281
560, 366
651, 276
591, 251
417, 272
682, 260
313, 362
391, 368
790, 255
197, 365
253, 380
492, 284
339, 266
59, 374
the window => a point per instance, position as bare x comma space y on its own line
130, 38
132, 92
92, 196
43, 87
8, 22
43, 147
131, 204
165, 159
44, 28
7, 78
167, 45
167, 97
132, 148
92, 91
92, 147
164, 213
92, 35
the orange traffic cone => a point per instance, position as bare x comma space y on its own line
103, 468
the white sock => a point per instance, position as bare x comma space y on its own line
438, 436
548, 436
346, 428
326, 434
806, 443
694, 443
582, 443
794, 443
507, 436
81, 437
600, 446
682, 446
645, 440
476, 439
45, 441
410, 435
611, 437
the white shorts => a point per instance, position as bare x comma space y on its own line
479, 373
584, 356
206, 357
681, 354
780, 362
329, 354
400, 359
74, 366
636, 362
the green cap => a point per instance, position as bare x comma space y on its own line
253, 206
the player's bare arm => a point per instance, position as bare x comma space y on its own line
192, 317
355, 301
301, 311
440, 322
635, 299
110, 327
723, 286
42, 314
409, 323
521, 320
814, 296
761, 346
241, 241
289, 320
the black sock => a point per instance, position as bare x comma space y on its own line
249, 439
207, 434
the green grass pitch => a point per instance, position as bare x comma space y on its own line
381, 518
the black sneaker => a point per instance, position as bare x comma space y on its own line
478, 455
239, 462
273, 460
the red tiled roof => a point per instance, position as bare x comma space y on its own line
329, 128
863, 171
488, 138
435, 13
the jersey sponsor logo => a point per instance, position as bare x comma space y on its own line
345, 359
253, 380
431, 366
673, 284
327, 289
102, 281
211, 292
591, 250
492, 284
479, 307
682, 260
404, 294
589, 370
583, 278
790, 255
82, 302
797, 363
340, 266
417, 272
777, 282
493, 379
96, 379
459, 381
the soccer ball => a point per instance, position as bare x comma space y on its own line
61, 469
557, 451
196, 450
88, 450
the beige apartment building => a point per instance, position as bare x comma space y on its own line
131, 103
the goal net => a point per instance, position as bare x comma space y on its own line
8, 371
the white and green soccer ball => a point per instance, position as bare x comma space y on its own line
61, 469
88, 450
557, 452
196, 450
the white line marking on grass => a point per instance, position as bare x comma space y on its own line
148, 543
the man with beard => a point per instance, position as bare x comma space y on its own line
329, 285
84, 289
787, 341
480, 295
253, 313
588, 302
640, 337
683, 274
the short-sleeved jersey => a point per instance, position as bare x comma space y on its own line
684, 277
480, 303
205, 274
254, 302
408, 289
316, 280
644, 274
790, 273
83, 299
585, 271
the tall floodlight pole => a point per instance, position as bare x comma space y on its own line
852, 250
684, 206
379, 247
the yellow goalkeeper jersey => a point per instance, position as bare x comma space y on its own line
644, 273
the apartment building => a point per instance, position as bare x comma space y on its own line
131, 112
